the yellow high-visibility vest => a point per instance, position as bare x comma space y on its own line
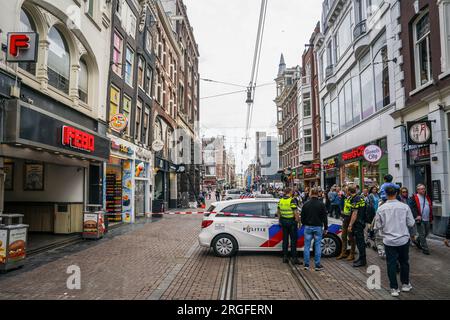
287, 208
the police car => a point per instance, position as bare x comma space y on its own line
252, 225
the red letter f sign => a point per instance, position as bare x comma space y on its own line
22, 47
18, 41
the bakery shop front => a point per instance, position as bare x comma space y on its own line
52, 166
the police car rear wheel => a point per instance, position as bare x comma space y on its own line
330, 246
224, 246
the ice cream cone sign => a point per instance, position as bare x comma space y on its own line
139, 169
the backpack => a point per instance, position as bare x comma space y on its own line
369, 212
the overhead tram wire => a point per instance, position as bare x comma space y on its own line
222, 82
255, 68
235, 92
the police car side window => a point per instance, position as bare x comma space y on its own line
254, 208
272, 209
228, 209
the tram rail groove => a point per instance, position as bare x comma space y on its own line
228, 280
304, 284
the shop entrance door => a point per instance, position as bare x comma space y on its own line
423, 175
139, 198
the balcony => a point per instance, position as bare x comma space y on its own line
361, 39
330, 79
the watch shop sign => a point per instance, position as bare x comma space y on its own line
373, 153
22, 47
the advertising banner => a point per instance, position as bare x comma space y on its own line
3, 239
17, 244
90, 223
127, 191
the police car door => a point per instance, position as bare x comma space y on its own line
250, 225
274, 235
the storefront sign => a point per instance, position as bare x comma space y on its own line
330, 164
121, 148
127, 191
309, 172
419, 154
22, 47
316, 166
118, 122
373, 153
78, 139
419, 133
354, 154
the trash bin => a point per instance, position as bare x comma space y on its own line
13, 241
93, 224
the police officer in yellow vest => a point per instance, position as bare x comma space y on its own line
289, 219
346, 235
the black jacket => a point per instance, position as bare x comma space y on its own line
314, 214
447, 235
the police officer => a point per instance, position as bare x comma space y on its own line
346, 235
357, 225
289, 219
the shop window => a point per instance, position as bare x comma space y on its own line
27, 25
83, 82
58, 61
117, 54
422, 50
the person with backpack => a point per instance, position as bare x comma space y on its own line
358, 224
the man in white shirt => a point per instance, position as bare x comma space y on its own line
393, 219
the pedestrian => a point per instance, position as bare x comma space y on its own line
305, 195
393, 220
365, 194
404, 198
217, 195
335, 203
357, 225
422, 209
387, 183
289, 218
345, 236
327, 200
342, 192
373, 197
358, 190
314, 218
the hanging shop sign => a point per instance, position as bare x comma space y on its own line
330, 164
309, 172
419, 154
419, 133
143, 154
78, 139
157, 145
316, 166
354, 154
373, 153
118, 122
22, 47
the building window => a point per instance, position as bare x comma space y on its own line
422, 50
148, 81
445, 27
307, 106
90, 7
141, 71
344, 35
58, 61
119, 8
128, 19
146, 125
356, 99
381, 70
334, 117
137, 128
129, 66
117, 54
327, 121
373, 5
148, 41
342, 118
114, 102
83, 82
27, 25
307, 133
367, 92
348, 105
126, 110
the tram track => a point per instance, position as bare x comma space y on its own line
228, 285
305, 285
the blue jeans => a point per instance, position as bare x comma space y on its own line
311, 232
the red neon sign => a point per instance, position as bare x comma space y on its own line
18, 41
354, 154
77, 139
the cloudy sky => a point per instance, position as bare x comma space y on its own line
225, 31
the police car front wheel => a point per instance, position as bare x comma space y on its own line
224, 246
330, 246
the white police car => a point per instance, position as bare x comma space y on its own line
252, 225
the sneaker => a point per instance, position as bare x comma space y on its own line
407, 287
306, 267
395, 292
426, 252
319, 268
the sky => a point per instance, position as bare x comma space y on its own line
225, 31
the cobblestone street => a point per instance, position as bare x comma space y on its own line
161, 259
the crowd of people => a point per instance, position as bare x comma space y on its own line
387, 218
